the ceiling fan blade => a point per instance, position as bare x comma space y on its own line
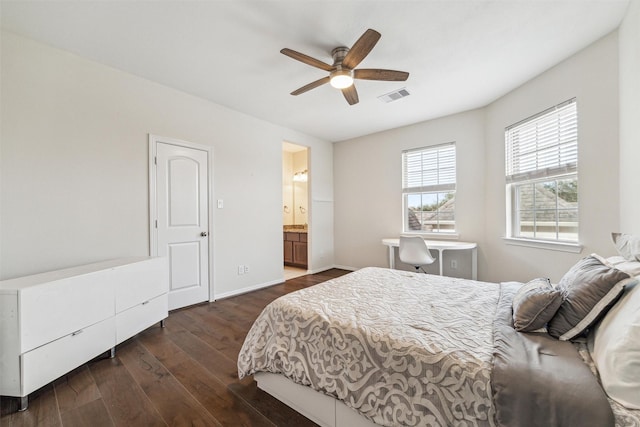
361, 48
378, 74
311, 85
306, 59
351, 94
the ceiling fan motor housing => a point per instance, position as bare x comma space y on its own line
338, 55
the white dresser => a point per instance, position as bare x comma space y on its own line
53, 322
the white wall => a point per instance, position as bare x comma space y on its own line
368, 172
592, 77
368, 191
287, 188
75, 176
320, 245
629, 35
295, 193
300, 202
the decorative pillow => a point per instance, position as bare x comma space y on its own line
588, 290
632, 268
534, 305
615, 349
627, 245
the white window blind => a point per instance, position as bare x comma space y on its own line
429, 169
542, 176
544, 145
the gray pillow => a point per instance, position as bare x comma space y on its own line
534, 305
627, 245
588, 290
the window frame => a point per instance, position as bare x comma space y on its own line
434, 188
555, 170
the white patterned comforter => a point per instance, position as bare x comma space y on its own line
363, 339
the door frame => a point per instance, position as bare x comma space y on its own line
154, 140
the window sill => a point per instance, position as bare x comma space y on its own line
575, 248
433, 236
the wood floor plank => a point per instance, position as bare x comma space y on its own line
226, 370
76, 389
212, 393
231, 324
208, 333
239, 318
272, 408
123, 397
223, 367
42, 411
8, 405
171, 399
92, 414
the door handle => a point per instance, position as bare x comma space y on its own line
203, 234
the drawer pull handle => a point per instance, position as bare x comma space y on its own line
77, 332
146, 302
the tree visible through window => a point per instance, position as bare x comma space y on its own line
429, 188
542, 175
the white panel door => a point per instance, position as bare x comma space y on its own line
182, 209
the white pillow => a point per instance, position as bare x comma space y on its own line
627, 245
632, 268
615, 349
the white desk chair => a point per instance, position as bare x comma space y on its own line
414, 251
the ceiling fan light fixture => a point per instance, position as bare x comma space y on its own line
341, 79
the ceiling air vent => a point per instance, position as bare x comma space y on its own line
394, 96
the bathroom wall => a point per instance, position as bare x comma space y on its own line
295, 194
287, 188
300, 190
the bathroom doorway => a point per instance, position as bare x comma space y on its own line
295, 209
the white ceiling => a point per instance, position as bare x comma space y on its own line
460, 54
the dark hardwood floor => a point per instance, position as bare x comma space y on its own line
184, 374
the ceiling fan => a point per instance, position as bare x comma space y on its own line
343, 72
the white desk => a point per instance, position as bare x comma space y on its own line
440, 246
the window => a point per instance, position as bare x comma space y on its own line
429, 189
542, 175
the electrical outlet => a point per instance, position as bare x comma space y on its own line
454, 264
220, 203
246, 269
240, 269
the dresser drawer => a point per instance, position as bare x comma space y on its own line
140, 282
44, 364
58, 308
140, 317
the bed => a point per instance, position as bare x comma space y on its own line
389, 347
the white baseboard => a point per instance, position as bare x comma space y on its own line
320, 270
247, 289
274, 282
341, 267
345, 267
